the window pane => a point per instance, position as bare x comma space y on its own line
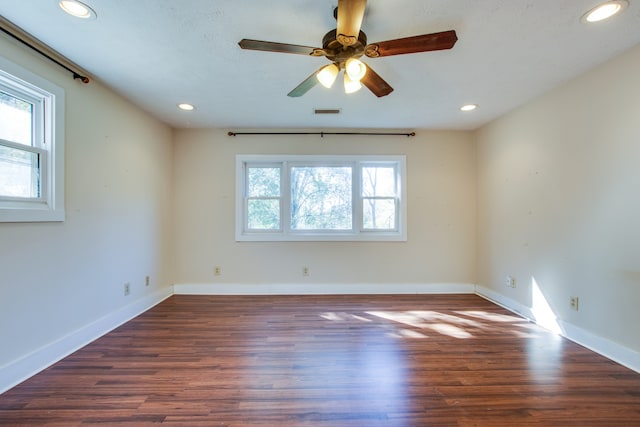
378, 181
15, 119
264, 214
379, 214
321, 198
263, 182
20, 172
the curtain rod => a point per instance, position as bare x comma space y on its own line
322, 134
31, 42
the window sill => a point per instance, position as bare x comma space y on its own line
40, 212
322, 237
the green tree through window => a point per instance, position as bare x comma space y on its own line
321, 198
263, 191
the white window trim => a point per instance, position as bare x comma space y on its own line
285, 234
50, 206
42, 154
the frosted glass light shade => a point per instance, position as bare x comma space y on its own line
351, 86
327, 75
355, 69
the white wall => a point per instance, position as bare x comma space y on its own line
441, 215
58, 278
558, 202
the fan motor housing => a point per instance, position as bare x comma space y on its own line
336, 52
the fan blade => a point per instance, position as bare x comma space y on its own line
423, 43
375, 83
276, 47
306, 85
350, 14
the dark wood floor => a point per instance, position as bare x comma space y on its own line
432, 360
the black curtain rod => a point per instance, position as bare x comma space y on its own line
322, 134
76, 75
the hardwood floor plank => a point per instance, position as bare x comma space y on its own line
395, 361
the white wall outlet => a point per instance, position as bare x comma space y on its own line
305, 271
127, 289
574, 303
147, 280
510, 281
217, 271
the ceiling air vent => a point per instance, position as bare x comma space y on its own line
326, 111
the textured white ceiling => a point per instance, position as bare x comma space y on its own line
158, 53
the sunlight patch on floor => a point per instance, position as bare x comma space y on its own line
343, 317
419, 324
432, 320
492, 317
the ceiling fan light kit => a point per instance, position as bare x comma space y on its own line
344, 46
350, 85
327, 75
355, 69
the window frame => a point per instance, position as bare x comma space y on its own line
48, 100
357, 232
363, 198
42, 178
245, 221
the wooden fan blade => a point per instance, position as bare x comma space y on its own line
305, 86
375, 83
350, 14
423, 43
275, 47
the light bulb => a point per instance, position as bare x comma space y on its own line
355, 69
350, 85
327, 75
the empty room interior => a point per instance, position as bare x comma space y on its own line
320, 213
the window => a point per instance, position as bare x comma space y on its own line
31, 146
320, 198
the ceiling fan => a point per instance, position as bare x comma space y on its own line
344, 46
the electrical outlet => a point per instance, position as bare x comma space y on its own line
305, 271
574, 303
147, 280
217, 271
510, 281
127, 289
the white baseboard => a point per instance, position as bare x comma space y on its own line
505, 302
609, 349
19, 370
322, 289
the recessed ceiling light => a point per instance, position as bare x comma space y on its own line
186, 107
468, 107
77, 9
605, 10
